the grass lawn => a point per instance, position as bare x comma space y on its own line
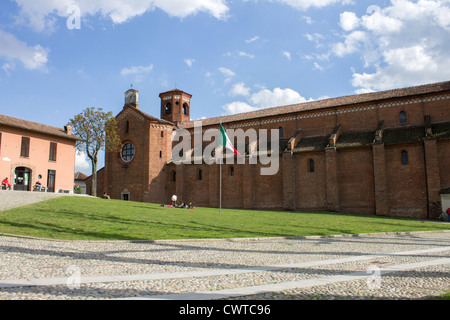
445, 296
79, 218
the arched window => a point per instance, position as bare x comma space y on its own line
127, 127
280, 130
200, 175
311, 165
231, 171
174, 176
402, 117
168, 108
185, 109
404, 157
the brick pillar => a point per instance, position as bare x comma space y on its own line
248, 183
288, 164
379, 171
180, 169
106, 173
213, 185
332, 181
433, 178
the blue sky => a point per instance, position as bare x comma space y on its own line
232, 55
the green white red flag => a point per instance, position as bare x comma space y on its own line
226, 142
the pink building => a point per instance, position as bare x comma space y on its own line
32, 152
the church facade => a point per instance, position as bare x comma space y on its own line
384, 153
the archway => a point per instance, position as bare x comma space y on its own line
22, 179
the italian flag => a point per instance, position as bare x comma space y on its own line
226, 142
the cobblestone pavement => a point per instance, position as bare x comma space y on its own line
378, 266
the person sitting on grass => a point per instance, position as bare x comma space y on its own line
445, 216
183, 205
105, 196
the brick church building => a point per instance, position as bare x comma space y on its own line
384, 153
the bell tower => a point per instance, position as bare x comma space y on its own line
131, 98
176, 106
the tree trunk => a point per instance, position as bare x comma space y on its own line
94, 177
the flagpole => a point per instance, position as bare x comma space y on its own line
220, 188
220, 179
226, 144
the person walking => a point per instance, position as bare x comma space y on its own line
174, 200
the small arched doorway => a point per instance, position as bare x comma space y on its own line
22, 179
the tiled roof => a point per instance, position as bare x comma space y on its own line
445, 190
145, 115
355, 139
80, 176
327, 103
391, 136
311, 144
35, 127
175, 90
404, 135
441, 131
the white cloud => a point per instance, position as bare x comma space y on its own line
380, 23
318, 66
136, 70
306, 4
287, 54
227, 72
238, 107
245, 54
189, 62
82, 163
316, 37
12, 49
275, 98
308, 19
252, 39
352, 43
239, 89
412, 59
265, 99
349, 21
42, 14
403, 44
7, 67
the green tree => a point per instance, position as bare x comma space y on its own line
98, 131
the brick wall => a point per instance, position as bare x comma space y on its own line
356, 176
407, 190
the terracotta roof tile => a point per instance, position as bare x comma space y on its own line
80, 176
35, 127
403, 135
145, 115
312, 144
441, 131
355, 139
327, 103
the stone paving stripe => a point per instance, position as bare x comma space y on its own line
208, 273
247, 291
